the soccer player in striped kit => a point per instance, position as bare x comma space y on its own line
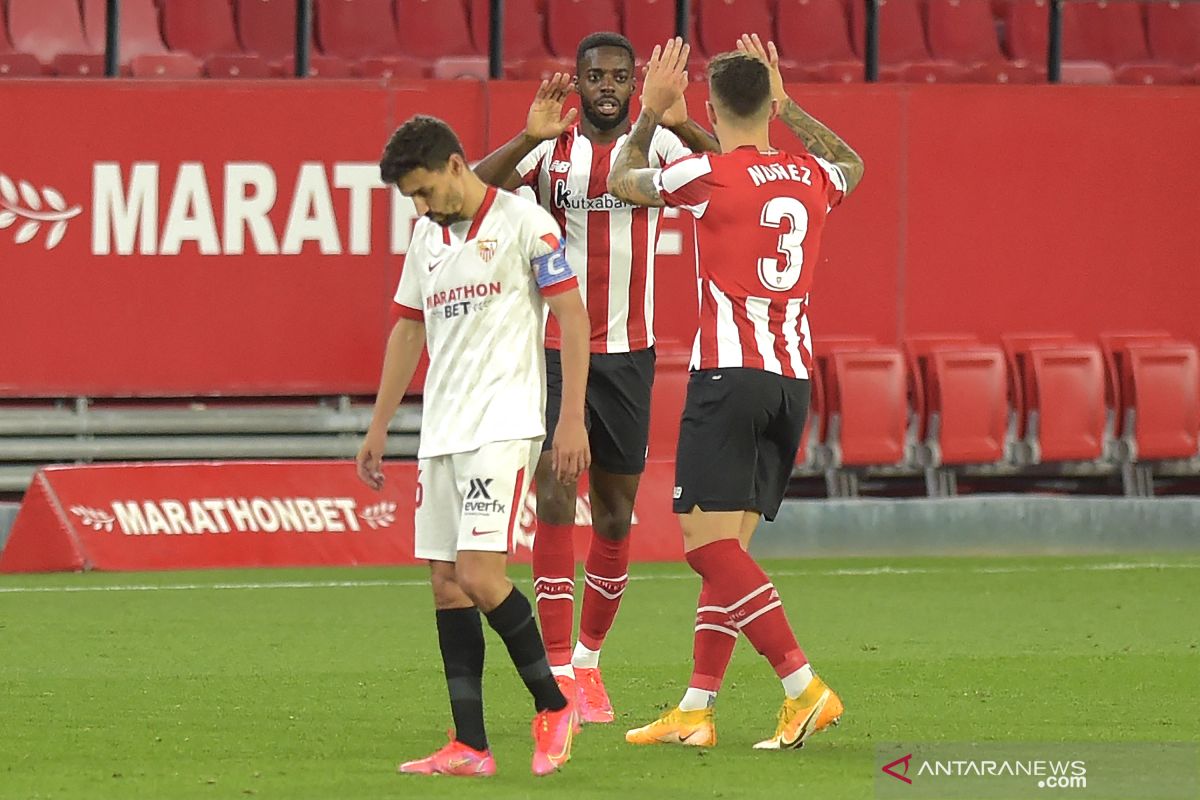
759, 216
610, 245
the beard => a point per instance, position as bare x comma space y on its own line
603, 123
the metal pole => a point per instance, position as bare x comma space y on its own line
683, 16
303, 36
496, 39
871, 54
1054, 54
112, 38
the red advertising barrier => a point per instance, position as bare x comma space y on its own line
215, 238
256, 514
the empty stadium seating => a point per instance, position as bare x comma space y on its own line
12, 63
1063, 402
903, 54
964, 31
139, 30
440, 33
647, 23
817, 34
207, 31
363, 33
525, 51
1173, 34
52, 32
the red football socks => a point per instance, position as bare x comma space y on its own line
606, 573
554, 588
739, 585
713, 644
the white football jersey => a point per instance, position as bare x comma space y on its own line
478, 286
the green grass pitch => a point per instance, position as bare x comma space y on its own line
315, 683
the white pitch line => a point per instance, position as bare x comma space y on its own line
829, 573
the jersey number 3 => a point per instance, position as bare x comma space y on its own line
776, 274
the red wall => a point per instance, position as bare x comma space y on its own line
984, 209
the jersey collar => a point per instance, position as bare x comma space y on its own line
488, 198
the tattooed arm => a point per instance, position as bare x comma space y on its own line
819, 140
822, 142
631, 179
666, 78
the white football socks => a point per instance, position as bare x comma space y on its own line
583, 658
563, 669
795, 684
697, 699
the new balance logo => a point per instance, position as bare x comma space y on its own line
479, 499
479, 489
561, 167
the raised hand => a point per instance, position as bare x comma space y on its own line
545, 119
752, 46
666, 78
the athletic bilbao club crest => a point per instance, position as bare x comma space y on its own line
487, 250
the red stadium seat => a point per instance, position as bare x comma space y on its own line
968, 415
903, 55
12, 63
319, 66
364, 31
1026, 24
267, 27
202, 29
1162, 397
647, 23
1016, 353
719, 23
1173, 32
433, 29
453, 67
865, 411
569, 21
917, 350
165, 65
816, 35
524, 26
1114, 346
52, 29
237, 66
1065, 403
963, 31
139, 34
1149, 74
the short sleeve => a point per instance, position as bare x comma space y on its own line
668, 147
547, 253
529, 167
835, 182
687, 184
408, 292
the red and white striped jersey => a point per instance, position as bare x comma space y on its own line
759, 218
610, 243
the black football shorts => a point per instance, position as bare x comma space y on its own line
738, 439
616, 411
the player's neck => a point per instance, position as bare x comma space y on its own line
473, 193
597, 136
733, 138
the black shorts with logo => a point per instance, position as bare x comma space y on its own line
738, 439
616, 411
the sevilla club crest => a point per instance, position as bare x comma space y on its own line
487, 250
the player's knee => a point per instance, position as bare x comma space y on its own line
612, 521
555, 500
482, 582
447, 593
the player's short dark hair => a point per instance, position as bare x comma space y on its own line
741, 83
603, 39
420, 142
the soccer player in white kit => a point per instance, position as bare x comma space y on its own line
482, 265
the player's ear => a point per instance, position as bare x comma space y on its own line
774, 109
711, 113
455, 165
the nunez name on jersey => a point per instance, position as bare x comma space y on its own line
478, 286
610, 244
759, 218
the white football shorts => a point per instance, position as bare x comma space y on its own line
472, 501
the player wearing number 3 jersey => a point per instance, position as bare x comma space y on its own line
759, 216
